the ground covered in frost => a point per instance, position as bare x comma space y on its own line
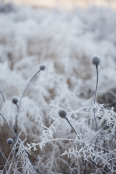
65, 41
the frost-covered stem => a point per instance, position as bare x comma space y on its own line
8, 125
2, 96
63, 114
5, 166
96, 95
85, 166
112, 138
2, 157
16, 122
72, 127
72, 170
26, 89
104, 145
52, 157
13, 153
96, 62
97, 72
42, 67
98, 132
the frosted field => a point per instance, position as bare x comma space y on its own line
64, 41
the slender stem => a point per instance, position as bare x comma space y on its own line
18, 106
72, 170
26, 89
8, 125
96, 95
112, 138
98, 132
13, 153
3, 159
16, 122
72, 128
2, 96
96, 84
104, 145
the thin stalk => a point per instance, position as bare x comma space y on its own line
72, 127
112, 139
97, 72
8, 125
98, 132
16, 122
2, 96
18, 106
26, 89
13, 153
72, 170
96, 95
104, 145
3, 159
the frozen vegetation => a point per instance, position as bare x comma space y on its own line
41, 141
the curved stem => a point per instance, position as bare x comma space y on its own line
8, 125
26, 89
18, 106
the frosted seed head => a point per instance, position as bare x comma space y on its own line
15, 100
96, 60
42, 67
10, 141
62, 113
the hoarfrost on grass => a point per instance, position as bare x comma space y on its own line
65, 41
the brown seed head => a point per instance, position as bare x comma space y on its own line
96, 60
62, 113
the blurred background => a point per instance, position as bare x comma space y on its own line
67, 4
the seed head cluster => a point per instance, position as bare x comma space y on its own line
62, 113
96, 60
10, 141
42, 67
15, 100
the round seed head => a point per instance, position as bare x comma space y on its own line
96, 60
10, 141
62, 113
42, 67
15, 100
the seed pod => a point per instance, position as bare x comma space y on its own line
15, 100
96, 60
62, 113
42, 67
10, 141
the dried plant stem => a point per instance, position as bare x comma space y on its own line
18, 106
8, 125
2, 96
72, 170
97, 72
72, 127
98, 132
16, 122
3, 159
26, 89
96, 95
